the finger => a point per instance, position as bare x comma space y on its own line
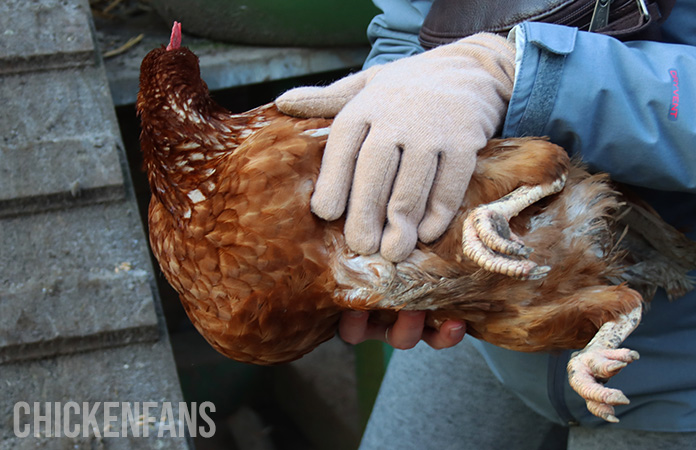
376, 167
447, 193
407, 203
450, 334
407, 330
353, 325
338, 164
325, 101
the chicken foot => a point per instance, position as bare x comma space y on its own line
600, 360
488, 241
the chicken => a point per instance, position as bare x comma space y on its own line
538, 258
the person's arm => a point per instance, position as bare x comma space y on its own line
394, 33
625, 108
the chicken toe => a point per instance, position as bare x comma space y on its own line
494, 231
488, 240
600, 360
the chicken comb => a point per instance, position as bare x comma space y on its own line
175, 39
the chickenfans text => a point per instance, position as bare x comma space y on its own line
113, 419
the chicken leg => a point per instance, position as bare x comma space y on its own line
601, 359
488, 241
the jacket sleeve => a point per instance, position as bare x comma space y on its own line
394, 33
625, 108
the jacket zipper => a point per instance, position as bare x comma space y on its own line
582, 13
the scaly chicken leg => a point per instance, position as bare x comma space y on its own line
600, 360
488, 241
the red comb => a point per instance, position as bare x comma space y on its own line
175, 40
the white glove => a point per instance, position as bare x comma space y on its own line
404, 141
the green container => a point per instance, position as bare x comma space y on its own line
306, 23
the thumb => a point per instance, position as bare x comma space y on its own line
322, 101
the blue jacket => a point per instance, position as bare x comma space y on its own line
628, 109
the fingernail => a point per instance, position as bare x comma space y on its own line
457, 331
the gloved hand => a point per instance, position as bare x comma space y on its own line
404, 140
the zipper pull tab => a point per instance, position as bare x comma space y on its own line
643, 8
600, 16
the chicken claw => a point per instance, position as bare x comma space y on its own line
488, 241
600, 360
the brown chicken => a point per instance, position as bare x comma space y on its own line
265, 281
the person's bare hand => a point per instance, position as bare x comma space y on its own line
404, 334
